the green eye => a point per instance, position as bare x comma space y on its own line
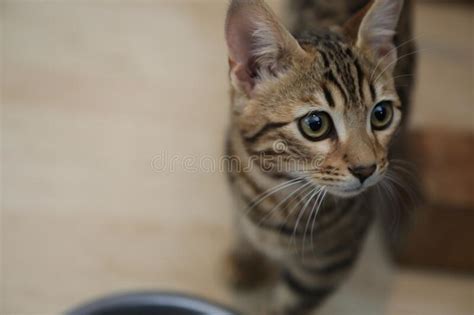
316, 126
382, 115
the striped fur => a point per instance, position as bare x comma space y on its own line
311, 15
303, 216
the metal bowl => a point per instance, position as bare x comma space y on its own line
150, 303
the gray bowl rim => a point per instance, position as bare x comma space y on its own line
152, 298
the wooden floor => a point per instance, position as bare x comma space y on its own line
96, 94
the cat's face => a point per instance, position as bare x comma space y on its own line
321, 108
333, 124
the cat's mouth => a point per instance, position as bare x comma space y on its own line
352, 189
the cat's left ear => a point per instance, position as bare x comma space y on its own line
373, 30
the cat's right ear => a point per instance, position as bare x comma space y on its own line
373, 30
258, 44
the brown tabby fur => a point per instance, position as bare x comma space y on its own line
311, 15
313, 236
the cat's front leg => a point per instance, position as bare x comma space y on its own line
304, 287
245, 266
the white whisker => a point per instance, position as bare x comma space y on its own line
389, 53
302, 211
395, 61
321, 200
314, 210
272, 191
293, 194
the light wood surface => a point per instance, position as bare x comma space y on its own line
94, 92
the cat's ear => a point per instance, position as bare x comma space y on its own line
258, 44
373, 30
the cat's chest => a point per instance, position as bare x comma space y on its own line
306, 232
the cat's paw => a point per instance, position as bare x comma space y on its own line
245, 272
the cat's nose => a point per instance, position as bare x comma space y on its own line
363, 172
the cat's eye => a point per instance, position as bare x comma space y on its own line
316, 126
382, 115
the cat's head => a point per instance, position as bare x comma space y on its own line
328, 98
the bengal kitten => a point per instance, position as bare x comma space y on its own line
313, 118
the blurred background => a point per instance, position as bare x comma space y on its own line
93, 94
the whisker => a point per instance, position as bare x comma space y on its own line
388, 54
406, 179
301, 213
399, 189
404, 163
319, 192
405, 171
272, 191
382, 195
317, 205
391, 203
295, 207
403, 76
315, 216
410, 192
287, 198
397, 60
402, 85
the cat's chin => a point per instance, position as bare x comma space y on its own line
346, 192
343, 193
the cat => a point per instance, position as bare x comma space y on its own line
313, 120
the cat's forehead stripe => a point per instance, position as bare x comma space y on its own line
343, 69
328, 96
372, 92
360, 77
329, 76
